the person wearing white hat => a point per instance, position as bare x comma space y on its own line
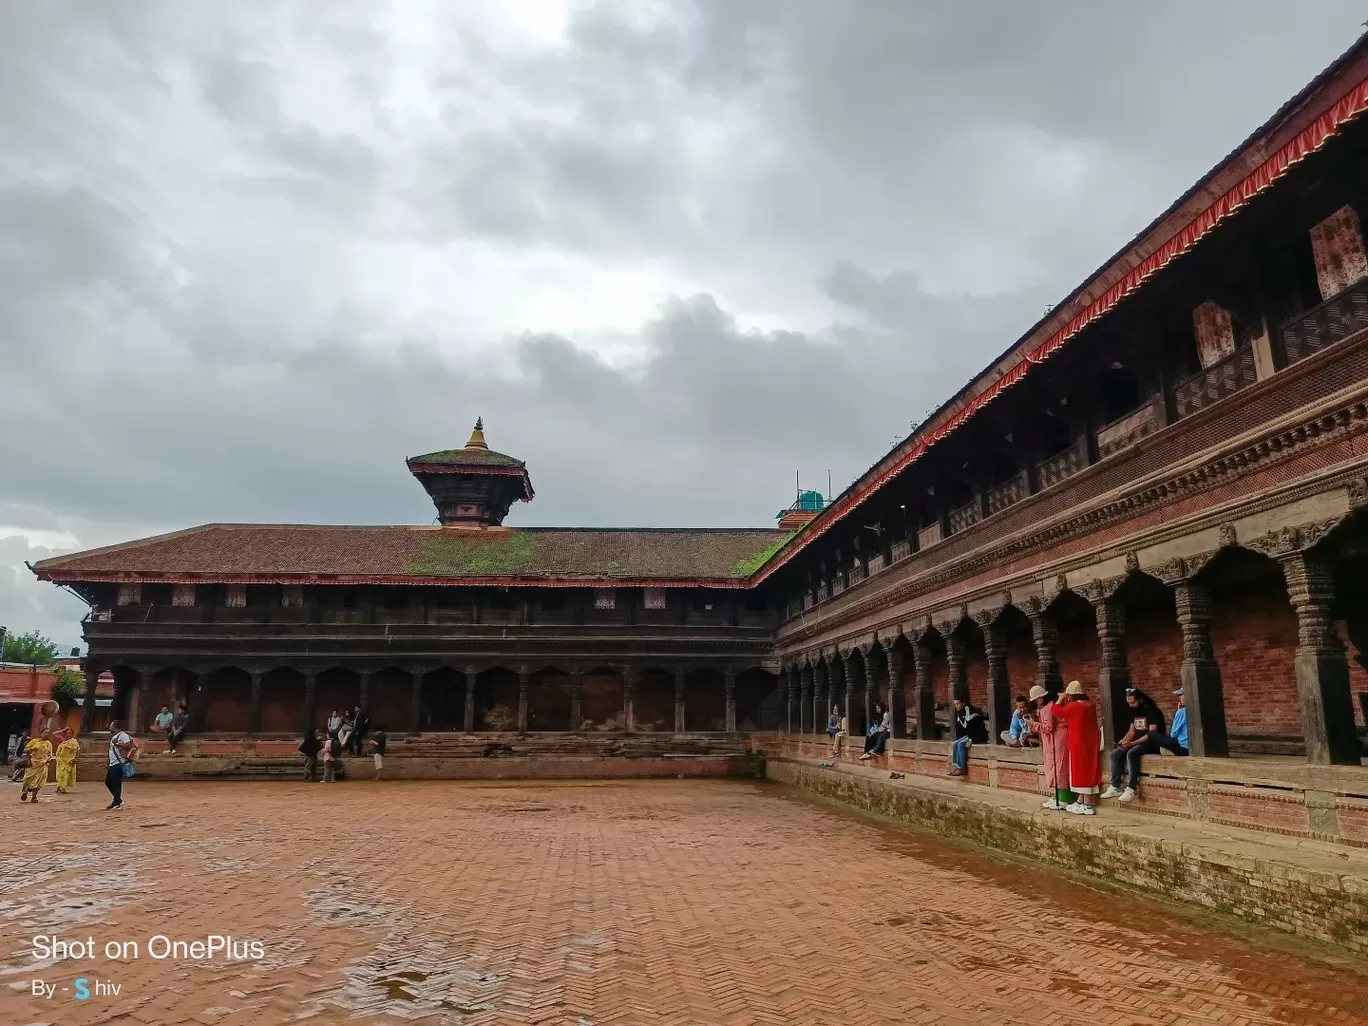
1054, 744
1085, 745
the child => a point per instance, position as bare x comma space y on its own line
378, 740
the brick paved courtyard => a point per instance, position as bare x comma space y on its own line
647, 903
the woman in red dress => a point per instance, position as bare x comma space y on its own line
1085, 746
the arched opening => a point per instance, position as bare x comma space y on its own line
1079, 655
549, 700
282, 701
337, 691
757, 692
1349, 561
601, 700
391, 699
125, 686
225, 701
901, 689
443, 699
857, 672
496, 699
705, 700
1153, 645
975, 663
653, 700
937, 671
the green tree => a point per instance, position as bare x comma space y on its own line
31, 648
67, 688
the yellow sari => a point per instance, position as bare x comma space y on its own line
39, 751
67, 752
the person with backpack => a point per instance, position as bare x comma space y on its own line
122, 748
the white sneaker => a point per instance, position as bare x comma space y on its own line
1128, 795
1111, 792
1053, 804
1079, 809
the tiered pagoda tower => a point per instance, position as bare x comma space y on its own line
473, 487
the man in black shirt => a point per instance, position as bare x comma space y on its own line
970, 729
1147, 735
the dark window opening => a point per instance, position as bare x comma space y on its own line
1119, 393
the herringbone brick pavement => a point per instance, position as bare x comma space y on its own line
642, 904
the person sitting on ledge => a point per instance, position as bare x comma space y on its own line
970, 730
879, 733
1018, 734
837, 729
1146, 736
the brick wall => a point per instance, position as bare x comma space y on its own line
1254, 635
1154, 648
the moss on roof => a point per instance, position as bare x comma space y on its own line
746, 567
470, 457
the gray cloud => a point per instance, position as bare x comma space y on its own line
253, 255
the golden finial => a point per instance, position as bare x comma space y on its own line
477, 440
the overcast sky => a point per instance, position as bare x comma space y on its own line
254, 254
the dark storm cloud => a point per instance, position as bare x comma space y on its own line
239, 243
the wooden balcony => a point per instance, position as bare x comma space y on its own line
1008, 493
1062, 465
901, 549
1125, 431
929, 536
1334, 320
1215, 383
966, 516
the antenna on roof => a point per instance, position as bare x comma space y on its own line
797, 487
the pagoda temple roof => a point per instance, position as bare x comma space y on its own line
297, 553
467, 458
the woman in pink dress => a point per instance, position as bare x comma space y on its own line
1054, 745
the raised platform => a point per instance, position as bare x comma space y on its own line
491, 756
1311, 888
1278, 794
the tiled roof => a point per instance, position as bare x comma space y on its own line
271, 551
468, 457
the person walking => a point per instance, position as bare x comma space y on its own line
67, 752
378, 741
1085, 745
1054, 747
121, 750
39, 752
330, 747
309, 749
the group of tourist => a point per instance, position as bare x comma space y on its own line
60, 749
1065, 726
173, 725
346, 732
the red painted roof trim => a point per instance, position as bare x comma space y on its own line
402, 579
1311, 138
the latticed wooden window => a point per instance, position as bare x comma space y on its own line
130, 594
183, 595
655, 598
605, 598
1215, 331
292, 596
237, 596
1337, 244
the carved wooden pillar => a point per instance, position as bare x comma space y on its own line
856, 689
1045, 635
729, 687
1203, 692
926, 690
628, 690
1322, 666
999, 685
310, 690
897, 691
786, 683
1113, 675
524, 685
363, 692
821, 695
679, 699
92, 672
576, 689
416, 703
469, 721
805, 698
873, 661
254, 705
138, 720
956, 657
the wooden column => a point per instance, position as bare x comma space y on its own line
310, 690
873, 661
999, 684
856, 690
363, 696
956, 657
729, 688
576, 688
524, 685
416, 703
926, 690
1113, 674
805, 699
679, 699
821, 706
470, 675
897, 690
92, 672
1322, 665
138, 720
837, 682
1203, 690
786, 686
254, 705
628, 687
1045, 635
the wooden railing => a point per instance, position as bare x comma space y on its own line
1010, 491
901, 549
966, 516
1340, 316
1215, 383
1125, 431
929, 536
1062, 465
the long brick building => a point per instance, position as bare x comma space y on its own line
1162, 481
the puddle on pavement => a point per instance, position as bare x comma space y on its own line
1291, 973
